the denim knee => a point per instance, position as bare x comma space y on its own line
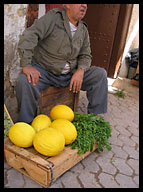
101, 72
22, 82
22, 79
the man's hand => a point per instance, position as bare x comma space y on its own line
33, 73
76, 81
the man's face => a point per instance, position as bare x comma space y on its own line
76, 11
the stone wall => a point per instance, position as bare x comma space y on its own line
14, 24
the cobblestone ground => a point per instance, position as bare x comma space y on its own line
118, 168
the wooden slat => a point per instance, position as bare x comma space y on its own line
41, 169
27, 168
5, 109
56, 96
24, 153
52, 90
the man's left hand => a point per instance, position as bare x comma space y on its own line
76, 81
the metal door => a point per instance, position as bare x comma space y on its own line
102, 21
32, 12
108, 25
51, 6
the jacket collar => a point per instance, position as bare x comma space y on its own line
67, 26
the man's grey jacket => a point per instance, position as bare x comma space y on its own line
49, 42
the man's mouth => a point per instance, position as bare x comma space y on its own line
82, 11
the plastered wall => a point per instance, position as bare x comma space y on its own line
14, 24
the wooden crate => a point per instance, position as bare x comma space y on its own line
44, 170
55, 96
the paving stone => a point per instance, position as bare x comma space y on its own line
5, 177
113, 98
137, 149
112, 122
108, 116
90, 164
29, 183
106, 154
77, 169
135, 139
136, 119
115, 141
122, 166
133, 114
119, 152
123, 130
115, 132
125, 181
57, 184
133, 130
106, 165
134, 108
107, 181
15, 179
133, 125
69, 180
88, 180
117, 114
132, 152
91, 157
117, 111
136, 180
123, 109
126, 140
120, 122
134, 164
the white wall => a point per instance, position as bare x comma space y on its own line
14, 24
132, 40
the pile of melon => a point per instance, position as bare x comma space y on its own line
48, 135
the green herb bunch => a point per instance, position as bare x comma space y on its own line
90, 128
7, 124
120, 93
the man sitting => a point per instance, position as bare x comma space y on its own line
56, 52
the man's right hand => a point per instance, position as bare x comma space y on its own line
33, 73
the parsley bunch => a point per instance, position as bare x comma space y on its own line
120, 93
90, 128
7, 124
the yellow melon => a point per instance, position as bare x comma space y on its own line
62, 112
67, 128
49, 142
22, 134
41, 122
